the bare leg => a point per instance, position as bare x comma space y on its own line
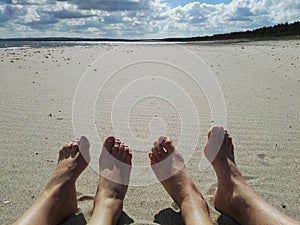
115, 168
58, 199
180, 186
233, 196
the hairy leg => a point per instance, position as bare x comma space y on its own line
233, 196
168, 166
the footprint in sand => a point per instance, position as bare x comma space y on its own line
262, 159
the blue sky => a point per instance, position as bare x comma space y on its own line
140, 18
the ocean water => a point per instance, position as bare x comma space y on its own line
40, 44
10, 44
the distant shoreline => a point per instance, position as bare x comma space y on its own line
189, 39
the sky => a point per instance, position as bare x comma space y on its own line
184, 2
135, 19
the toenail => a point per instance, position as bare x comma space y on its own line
161, 140
110, 139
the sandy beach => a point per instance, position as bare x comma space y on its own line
43, 88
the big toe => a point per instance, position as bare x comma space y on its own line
84, 146
215, 140
216, 130
109, 143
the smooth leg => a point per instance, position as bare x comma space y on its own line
58, 200
166, 161
115, 167
233, 196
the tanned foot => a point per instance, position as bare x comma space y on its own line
219, 150
115, 167
168, 165
233, 196
58, 200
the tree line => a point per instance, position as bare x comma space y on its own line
276, 31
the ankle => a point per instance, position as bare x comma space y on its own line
107, 200
187, 193
192, 201
232, 195
195, 211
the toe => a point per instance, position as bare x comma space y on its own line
69, 145
156, 154
121, 150
162, 152
65, 146
65, 152
230, 140
125, 153
152, 158
215, 130
83, 144
230, 151
74, 149
225, 139
217, 135
168, 145
128, 158
109, 143
115, 148
61, 154
161, 139
114, 151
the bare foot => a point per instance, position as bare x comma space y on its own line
233, 196
219, 150
58, 200
168, 166
115, 167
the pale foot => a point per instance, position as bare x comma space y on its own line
168, 166
58, 200
115, 167
233, 196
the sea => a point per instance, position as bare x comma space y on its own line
17, 44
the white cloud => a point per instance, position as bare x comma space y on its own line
138, 18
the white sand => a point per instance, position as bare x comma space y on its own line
261, 86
